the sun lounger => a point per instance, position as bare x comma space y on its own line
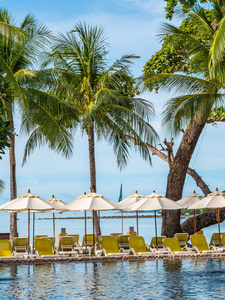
138, 246
66, 246
200, 245
123, 242
109, 245
182, 239
20, 246
173, 246
76, 239
90, 241
153, 245
215, 240
5, 249
43, 247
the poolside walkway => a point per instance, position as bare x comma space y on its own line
66, 259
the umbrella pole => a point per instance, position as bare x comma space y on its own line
93, 232
156, 232
122, 220
194, 222
53, 219
99, 227
85, 217
28, 229
33, 231
137, 221
218, 218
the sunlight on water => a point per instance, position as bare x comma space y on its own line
163, 279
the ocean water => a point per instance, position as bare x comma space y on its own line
157, 279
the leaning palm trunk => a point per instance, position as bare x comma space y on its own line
91, 144
177, 174
13, 186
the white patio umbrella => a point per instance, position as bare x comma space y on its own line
130, 200
212, 200
28, 202
189, 201
155, 202
59, 205
91, 202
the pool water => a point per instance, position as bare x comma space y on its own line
157, 279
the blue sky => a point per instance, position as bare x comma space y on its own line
131, 27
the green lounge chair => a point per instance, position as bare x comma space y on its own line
66, 246
138, 246
182, 238
173, 246
215, 240
161, 248
5, 249
200, 245
43, 247
109, 245
20, 246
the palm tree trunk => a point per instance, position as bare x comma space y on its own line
91, 144
177, 174
13, 186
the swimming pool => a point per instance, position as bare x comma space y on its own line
158, 279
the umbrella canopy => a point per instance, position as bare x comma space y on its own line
28, 202
212, 200
90, 202
130, 200
155, 202
190, 200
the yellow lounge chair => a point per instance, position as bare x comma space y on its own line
20, 246
182, 238
215, 240
76, 239
39, 236
123, 241
173, 246
5, 249
200, 245
89, 245
223, 239
43, 247
66, 246
138, 246
109, 245
116, 234
161, 248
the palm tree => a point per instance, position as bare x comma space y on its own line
102, 95
18, 58
188, 112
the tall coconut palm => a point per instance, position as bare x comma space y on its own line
102, 95
18, 60
188, 112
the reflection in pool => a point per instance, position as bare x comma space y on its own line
162, 279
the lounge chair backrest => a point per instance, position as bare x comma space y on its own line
89, 240
39, 236
66, 243
137, 243
110, 244
199, 241
215, 239
52, 239
116, 234
5, 248
172, 244
159, 242
182, 238
123, 241
20, 244
43, 246
223, 239
76, 238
